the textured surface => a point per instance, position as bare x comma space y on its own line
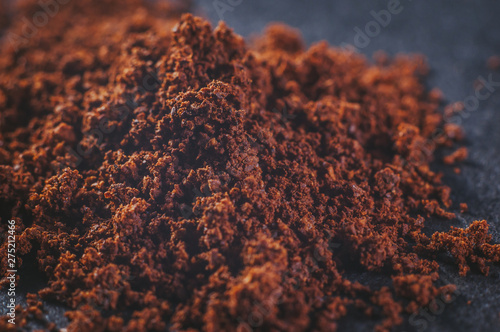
457, 37
457, 41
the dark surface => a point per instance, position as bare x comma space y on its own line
457, 37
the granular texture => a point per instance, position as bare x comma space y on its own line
166, 175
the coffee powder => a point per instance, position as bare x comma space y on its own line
167, 175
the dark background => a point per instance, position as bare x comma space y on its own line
457, 37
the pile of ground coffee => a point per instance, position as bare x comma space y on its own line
166, 175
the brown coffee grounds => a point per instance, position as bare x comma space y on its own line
457, 156
166, 175
464, 207
467, 246
493, 62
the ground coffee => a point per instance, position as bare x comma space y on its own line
166, 175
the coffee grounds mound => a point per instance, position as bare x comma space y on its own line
165, 175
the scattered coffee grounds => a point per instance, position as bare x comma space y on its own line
493, 62
165, 175
457, 156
